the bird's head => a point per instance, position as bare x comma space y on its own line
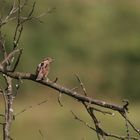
49, 59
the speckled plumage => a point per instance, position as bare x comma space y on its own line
42, 70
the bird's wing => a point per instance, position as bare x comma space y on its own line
39, 68
42, 70
40, 75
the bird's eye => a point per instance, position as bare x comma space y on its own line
42, 64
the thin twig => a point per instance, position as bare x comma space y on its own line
17, 61
102, 111
32, 10
13, 11
30, 107
85, 123
10, 55
41, 134
81, 84
131, 124
59, 99
99, 131
2, 45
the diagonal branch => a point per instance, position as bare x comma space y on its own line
13, 11
82, 85
129, 122
10, 55
64, 90
106, 134
30, 107
17, 61
76, 95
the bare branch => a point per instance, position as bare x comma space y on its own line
131, 124
8, 98
2, 46
59, 99
17, 61
125, 106
41, 134
17, 35
62, 89
107, 134
73, 89
81, 84
80, 120
20, 22
37, 18
32, 10
99, 131
101, 111
10, 56
29, 107
13, 11
8, 66
49, 11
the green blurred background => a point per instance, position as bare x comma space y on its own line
99, 41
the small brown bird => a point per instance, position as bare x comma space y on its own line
42, 70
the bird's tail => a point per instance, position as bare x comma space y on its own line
39, 78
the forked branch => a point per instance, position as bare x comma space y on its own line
8, 67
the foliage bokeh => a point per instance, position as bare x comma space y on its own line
98, 40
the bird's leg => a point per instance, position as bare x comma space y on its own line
46, 79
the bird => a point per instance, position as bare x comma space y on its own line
43, 68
